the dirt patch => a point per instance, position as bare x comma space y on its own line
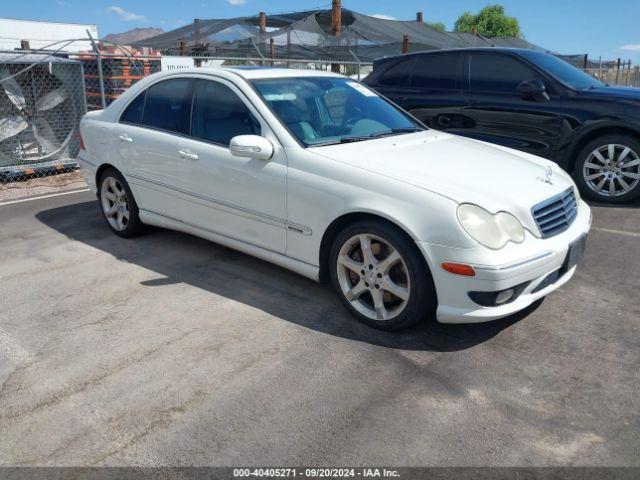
41, 185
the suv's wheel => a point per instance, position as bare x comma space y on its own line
608, 169
118, 205
381, 277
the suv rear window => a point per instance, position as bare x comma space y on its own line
438, 71
398, 74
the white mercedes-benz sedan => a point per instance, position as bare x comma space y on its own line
319, 174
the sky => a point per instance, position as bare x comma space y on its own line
597, 27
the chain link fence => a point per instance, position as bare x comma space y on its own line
615, 73
41, 102
43, 96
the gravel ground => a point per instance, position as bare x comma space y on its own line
41, 185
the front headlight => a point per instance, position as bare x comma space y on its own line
491, 230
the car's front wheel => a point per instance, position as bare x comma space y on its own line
381, 277
118, 205
608, 169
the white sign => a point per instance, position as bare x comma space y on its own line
51, 35
362, 89
175, 63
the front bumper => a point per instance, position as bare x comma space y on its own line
527, 263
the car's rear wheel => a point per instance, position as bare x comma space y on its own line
118, 205
608, 169
381, 276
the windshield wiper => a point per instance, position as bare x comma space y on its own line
362, 138
385, 133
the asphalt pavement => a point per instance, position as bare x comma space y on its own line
171, 350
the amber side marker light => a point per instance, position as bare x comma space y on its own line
459, 269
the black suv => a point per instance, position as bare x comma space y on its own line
527, 100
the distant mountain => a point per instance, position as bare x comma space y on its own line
132, 36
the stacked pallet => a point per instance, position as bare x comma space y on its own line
119, 73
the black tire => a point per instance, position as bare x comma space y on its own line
585, 158
422, 301
132, 226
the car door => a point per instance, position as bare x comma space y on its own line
496, 112
241, 198
147, 138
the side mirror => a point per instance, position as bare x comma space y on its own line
534, 89
251, 146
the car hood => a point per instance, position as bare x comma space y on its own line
625, 93
464, 170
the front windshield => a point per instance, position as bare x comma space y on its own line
328, 110
563, 71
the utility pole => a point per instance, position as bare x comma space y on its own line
262, 26
336, 26
272, 50
196, 28
262, 23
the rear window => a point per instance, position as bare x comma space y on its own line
398, 74
133, 113
438, 71
168, 105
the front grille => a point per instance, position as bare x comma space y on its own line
555, 215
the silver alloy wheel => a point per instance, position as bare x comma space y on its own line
115, 204
612, 170
373, 277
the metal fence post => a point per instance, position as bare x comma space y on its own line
600, 68
103, 100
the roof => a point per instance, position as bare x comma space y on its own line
464, 49
267, 72
308, 35
251, 73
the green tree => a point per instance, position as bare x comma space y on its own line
490, 22
441, 27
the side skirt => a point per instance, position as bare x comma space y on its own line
297, 266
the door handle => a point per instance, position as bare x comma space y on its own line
444, 121
125, 138
189, 155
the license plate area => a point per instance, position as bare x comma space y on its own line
575, 254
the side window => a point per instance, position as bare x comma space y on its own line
398, 75
219, 114
438, 71
133, 112
497, 73
168, 105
